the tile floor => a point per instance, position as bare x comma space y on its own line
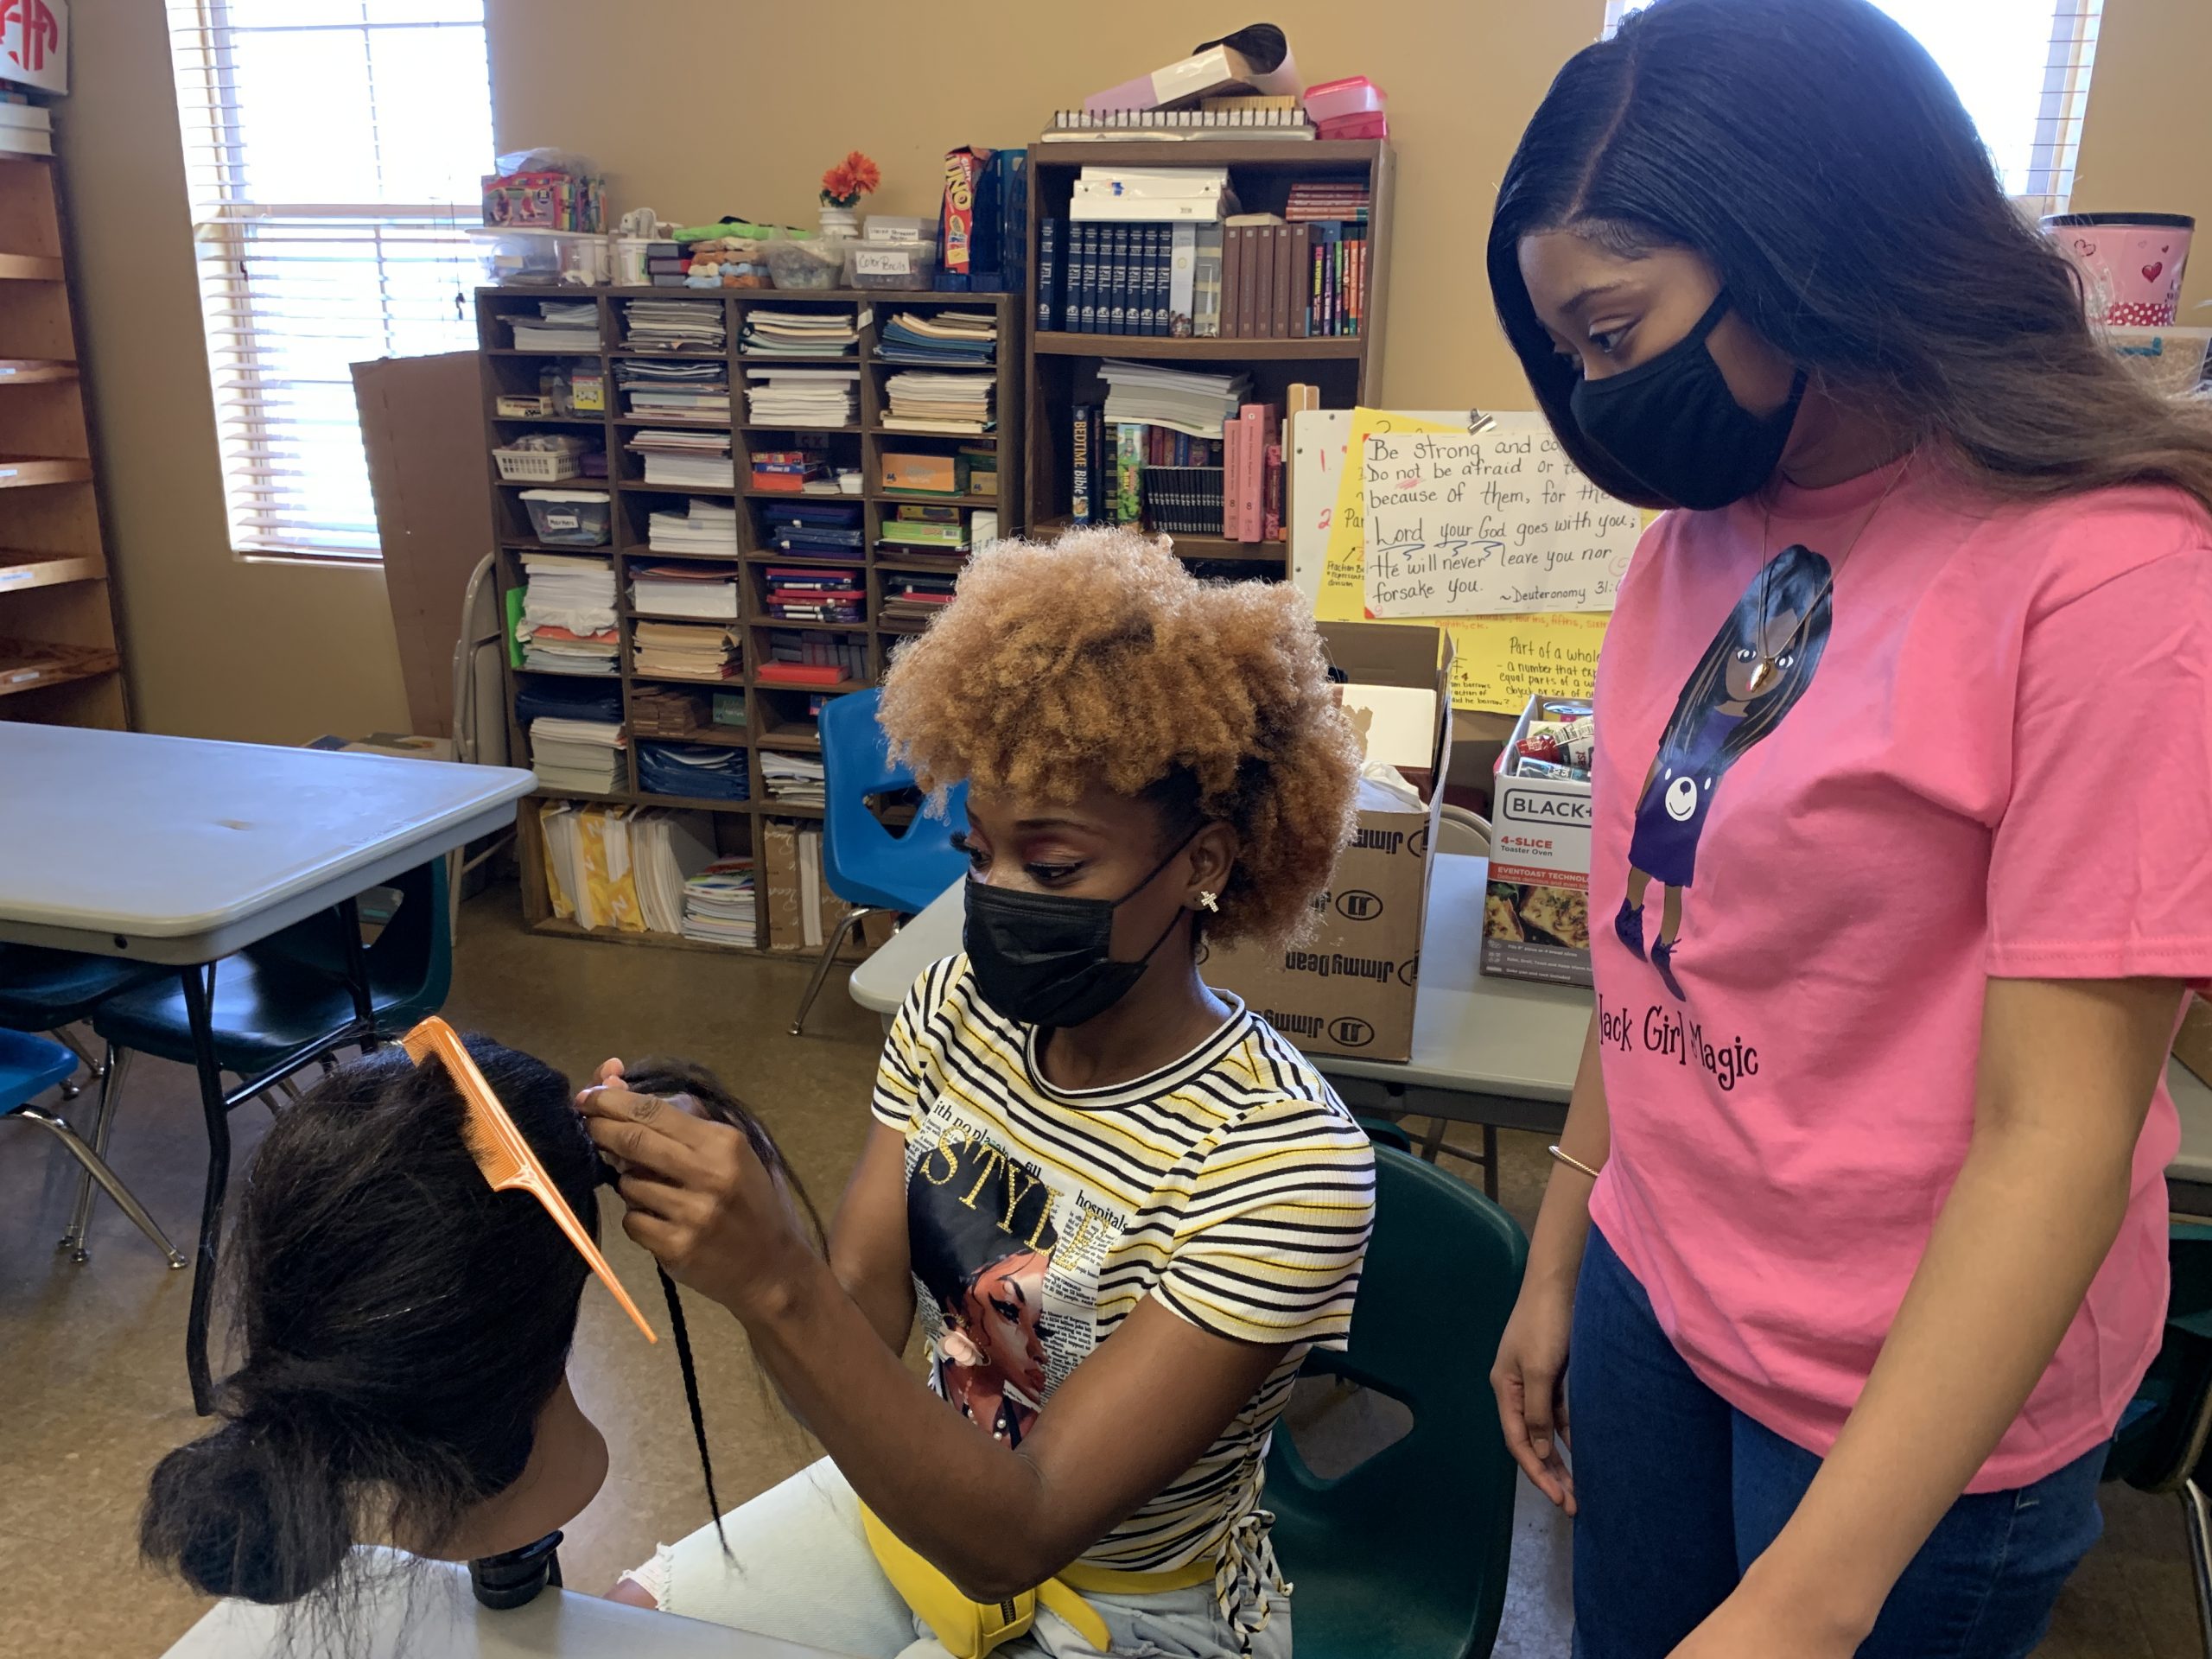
92, 1357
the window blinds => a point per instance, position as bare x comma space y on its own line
333, 150
2022, 69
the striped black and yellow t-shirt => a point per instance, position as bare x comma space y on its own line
1232, 1184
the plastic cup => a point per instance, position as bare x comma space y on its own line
2131, 263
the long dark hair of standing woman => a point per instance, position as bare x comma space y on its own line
1812, 152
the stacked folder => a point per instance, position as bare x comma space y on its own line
703, 528
799, 334
685, 651
705, 771
581, 756
685, 460
802, 397
675, 325
718, 905
567, 625
682, 590
675, 392
624, 868
792, 780
922, 402
949, 340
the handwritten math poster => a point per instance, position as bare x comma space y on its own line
1486, 524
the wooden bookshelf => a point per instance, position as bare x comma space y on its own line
1063, 368
58, 659
775, 713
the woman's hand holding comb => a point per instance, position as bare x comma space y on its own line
699, 1198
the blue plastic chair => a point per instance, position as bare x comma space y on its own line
46, 990
28, 1067
1404, 1556
869, 865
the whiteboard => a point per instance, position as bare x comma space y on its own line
1318, 438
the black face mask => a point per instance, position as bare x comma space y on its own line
1043, 958
1673, 425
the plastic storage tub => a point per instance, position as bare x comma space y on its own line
1334, 101
904, 266
568, 517
538, 466
543, 259
812, 262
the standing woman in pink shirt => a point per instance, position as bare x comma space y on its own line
1902, 792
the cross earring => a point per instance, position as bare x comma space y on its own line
1207, 901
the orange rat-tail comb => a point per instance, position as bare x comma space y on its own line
504, 1156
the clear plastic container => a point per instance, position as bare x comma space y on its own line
568, 517
543, 259
812, 262
906, 266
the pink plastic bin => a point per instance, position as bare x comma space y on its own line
1332, 101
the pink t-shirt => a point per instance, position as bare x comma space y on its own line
1988, 752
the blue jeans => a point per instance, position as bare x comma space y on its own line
1679, 1492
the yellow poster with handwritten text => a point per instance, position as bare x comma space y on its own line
1501, 661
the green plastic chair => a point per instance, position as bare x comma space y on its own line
1407, 1553
2161, 1444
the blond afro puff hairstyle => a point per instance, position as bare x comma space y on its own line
1098, 659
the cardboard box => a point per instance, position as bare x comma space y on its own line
1349, 987
780, 885
943, 474
1536, 914
2193, 1042
422, 431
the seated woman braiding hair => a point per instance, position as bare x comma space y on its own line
406, 1332
1122, 1207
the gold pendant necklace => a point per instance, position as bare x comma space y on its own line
1768, 669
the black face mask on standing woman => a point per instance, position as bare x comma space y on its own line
1045, 958
1673, 425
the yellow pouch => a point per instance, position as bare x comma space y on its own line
967, 1629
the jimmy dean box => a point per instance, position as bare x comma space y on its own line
1348, 988
1536, 914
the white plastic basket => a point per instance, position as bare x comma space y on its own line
537, 465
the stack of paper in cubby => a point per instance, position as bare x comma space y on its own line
561, 326
675, 392
718, 905
922, 402
799, 334
675, 325
568, 613
1147, 394
582, 757
706, 771
685, 651
682, 590
792, 780
623, 868
707, 528
950, 339
685, 460
797, 398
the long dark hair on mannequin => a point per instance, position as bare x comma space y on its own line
1813, 154
402, 1325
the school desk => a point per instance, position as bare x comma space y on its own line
179, 851
430, 1614
1499, 1053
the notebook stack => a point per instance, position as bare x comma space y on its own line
567, 625
949, 340
561, 326
793, 471
675, 392
663, 711
718, 905
812, 530
816, 593
792, 780
577, 757
685, 651
813, 397
799, 334
937, 529
813, 659
911, 597
685, 460
1147, 394
682, 590
922, 402
675, 325
704, 529
698, 772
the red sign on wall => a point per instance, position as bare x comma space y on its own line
35, 43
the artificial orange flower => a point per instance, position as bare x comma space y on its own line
849, 180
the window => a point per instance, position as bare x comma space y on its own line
2022, 68
333, 150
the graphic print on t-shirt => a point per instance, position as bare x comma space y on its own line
1733, 699
1005, 1257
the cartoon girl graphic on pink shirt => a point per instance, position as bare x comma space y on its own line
1727, 705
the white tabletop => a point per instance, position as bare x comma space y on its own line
179, 850
431, 1615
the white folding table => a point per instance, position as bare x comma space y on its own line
429, 1614
180, 851
1498, 1052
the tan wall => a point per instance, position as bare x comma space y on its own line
2146, 141
213, 646
704, 107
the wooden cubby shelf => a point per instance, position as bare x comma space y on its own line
1063, 367
59, 661
776, 711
